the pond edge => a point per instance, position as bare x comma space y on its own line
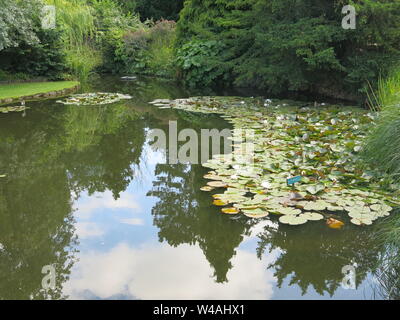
41, 96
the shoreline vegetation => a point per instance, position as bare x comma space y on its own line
10, 93
207, 45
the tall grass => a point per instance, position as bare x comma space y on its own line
161, 48
77, 21
83, 60
387, 93
382, 149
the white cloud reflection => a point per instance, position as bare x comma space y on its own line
163, 272
86, 230
86, 206
133, 221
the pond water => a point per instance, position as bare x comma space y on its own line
85, 192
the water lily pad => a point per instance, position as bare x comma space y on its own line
13, 109
332, 179
217, 184
289, 211
207, 189
98, 98
230, 210
361, 221
219, 203
314, 189
212, 177
292, 220
255, 213
313, 216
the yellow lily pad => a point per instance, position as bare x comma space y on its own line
230, 210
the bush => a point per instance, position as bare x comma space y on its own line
150, 50
200, 63
293, 45
111, 25
154, 9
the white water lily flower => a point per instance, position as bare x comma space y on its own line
266, 185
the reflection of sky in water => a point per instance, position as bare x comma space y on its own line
121, 258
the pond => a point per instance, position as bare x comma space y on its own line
86, 192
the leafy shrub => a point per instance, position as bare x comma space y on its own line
111, 25
18, 23
294, 45
6, 76
154, 9
83, 60
45, 58
200, 63
150, 50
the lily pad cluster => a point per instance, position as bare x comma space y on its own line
13, 109
98, 98
319, 144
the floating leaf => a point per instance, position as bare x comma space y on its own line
13, 109
230, 210
313, 216
315, 188
361, 221
212, 177
98, 98
332, 179
217, 184
317, 205
334, 224
219, 203
207, 189
256, 213
289, 211
292, 220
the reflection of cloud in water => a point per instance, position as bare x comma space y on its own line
86, 230
88, 205
164, 272
133, 221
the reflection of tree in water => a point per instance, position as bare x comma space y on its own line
110, 146
36, 226
184, 215
313, 255
47, 156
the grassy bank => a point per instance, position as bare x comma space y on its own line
18, 90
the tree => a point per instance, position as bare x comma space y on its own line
154, 9
18, 23
293, 45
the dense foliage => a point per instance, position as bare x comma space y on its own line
383, 146
150, 50
293, 45
154, 9
26, 50
87, 37
18, 21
